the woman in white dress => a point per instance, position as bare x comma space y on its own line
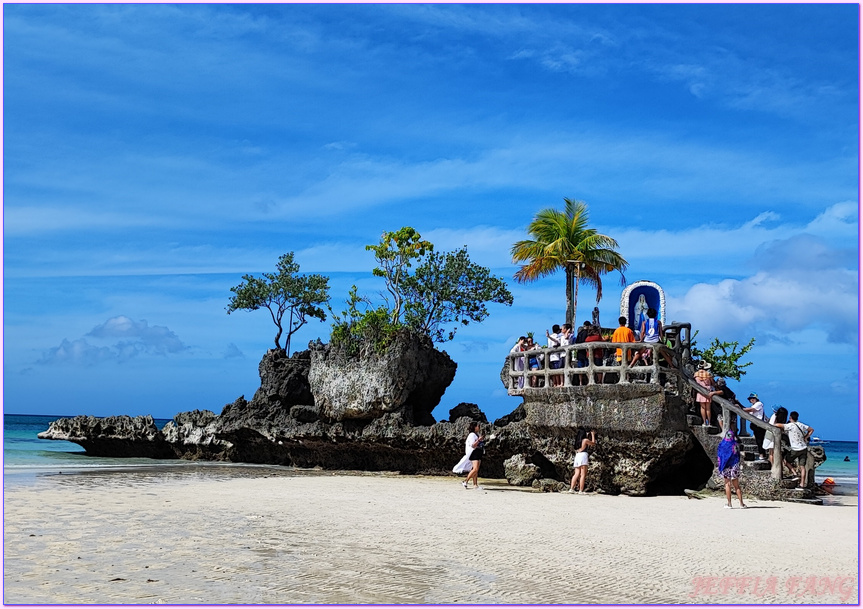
473, 453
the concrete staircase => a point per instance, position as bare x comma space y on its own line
755, 476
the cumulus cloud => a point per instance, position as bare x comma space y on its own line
78, 351
801, 283
136, 338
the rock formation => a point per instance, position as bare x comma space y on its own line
321, 408
120, 436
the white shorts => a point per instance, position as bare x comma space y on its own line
580, 459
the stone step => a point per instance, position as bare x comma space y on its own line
809, 500
789, 482
693, 420
758, 465
712, 430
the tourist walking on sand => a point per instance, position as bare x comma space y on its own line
583, 441
798, 437
474, 451
728, 463
705, 379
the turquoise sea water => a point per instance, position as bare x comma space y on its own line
24, 453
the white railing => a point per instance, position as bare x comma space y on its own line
728, 408
577, 371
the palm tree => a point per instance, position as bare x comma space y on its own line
562, 239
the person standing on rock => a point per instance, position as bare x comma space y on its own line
583, 441
780, 415
474, 450
798, 437
757, 411
728, 464
704, 378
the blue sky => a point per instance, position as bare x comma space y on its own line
155, 153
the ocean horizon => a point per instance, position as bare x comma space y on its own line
25, 453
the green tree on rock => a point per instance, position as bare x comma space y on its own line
724, 357
283, 292
394, 254
448, 288
428, 291
563, 240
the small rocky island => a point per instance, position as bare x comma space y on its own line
323, 408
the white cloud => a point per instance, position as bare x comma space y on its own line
78, 351
487, 245
139, 338
797, 288
28, 220
720, 246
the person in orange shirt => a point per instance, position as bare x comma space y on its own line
623, 335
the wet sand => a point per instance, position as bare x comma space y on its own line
218, 535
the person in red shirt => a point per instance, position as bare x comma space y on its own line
594, 336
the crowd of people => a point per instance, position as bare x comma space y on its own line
729, 453
651, 331
795, 433
562, 336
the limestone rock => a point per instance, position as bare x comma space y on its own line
549, 485
466, 409
117, 436
305, 414
284, 379
515, 416
409, 377
519, 472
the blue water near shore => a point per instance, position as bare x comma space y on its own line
23, 453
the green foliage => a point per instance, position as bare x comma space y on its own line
724, 357
563, 240
354, 329
448, 288
394, 255
445, 288
285, 291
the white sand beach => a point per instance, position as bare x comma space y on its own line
204, 537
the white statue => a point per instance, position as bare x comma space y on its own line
640, 312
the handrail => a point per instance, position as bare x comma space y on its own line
776, 468
520, 372
518, 364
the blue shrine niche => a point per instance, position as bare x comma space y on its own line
637, 298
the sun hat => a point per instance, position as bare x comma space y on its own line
752, 395
702, 365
